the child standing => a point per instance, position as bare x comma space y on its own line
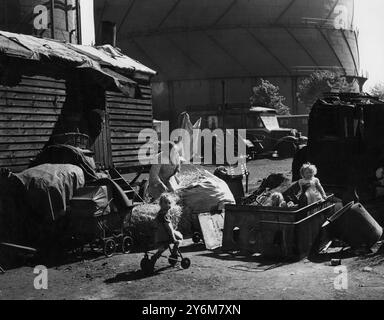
310, 185
165, 233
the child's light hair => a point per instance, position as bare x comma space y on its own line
308, 166
276, 199
167, 197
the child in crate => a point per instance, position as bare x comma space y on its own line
310, 186
165, 233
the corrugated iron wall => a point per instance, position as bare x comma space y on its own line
126, 118
28, 115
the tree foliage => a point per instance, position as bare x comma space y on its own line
312, 87
378, 90
268, 95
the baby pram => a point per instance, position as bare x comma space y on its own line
97, 220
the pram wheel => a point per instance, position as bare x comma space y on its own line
196, 238
185, 263
146, 265
109, 247
173, 259
127, 244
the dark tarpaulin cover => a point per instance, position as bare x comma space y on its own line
49, 187
66, 154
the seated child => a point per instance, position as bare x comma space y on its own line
310, 186
277, 200
165, 233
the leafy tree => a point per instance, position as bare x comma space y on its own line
378, 90
268, 95
312, 87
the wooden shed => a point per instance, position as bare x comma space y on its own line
51, 89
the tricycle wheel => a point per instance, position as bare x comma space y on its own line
109, 247
185, 263
147, 266
196, 238
173, 259
127, 244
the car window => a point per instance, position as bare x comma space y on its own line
254, 122
270, 122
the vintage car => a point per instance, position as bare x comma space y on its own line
264, 136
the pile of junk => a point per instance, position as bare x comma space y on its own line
60, 203
292, 228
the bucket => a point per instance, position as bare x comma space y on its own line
355, 226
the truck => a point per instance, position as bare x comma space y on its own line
264, 136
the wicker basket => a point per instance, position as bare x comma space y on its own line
74, 139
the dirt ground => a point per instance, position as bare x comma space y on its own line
212, 275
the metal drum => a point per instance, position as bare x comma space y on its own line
355, 226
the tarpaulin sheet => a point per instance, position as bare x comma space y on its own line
49, 187
66, 154
78, 56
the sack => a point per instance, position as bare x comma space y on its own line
209, 193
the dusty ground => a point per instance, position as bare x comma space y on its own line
212, 275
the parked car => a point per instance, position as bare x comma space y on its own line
264, 136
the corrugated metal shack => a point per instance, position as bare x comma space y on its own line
50, 88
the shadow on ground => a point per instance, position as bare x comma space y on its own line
136, 275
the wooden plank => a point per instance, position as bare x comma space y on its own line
24, 139
142, 86
42, 83
117, 159
124, 164
14, 162
129, 117
27, 89
28, 117
128, 100
147, 113
121, 125
22, 146
28, 96
30, 104
130, 107
28, 110
125, 146
19, 154
27, 125
122, 134
15, 168
44, 78
25, 131
133, 152
123, 141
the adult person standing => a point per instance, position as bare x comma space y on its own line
163, 174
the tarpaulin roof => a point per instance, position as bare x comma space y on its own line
101, 59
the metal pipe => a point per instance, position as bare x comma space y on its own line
52, 19
78, 20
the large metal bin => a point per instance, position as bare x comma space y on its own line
275, 232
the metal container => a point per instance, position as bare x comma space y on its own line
275, 232
355, 226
